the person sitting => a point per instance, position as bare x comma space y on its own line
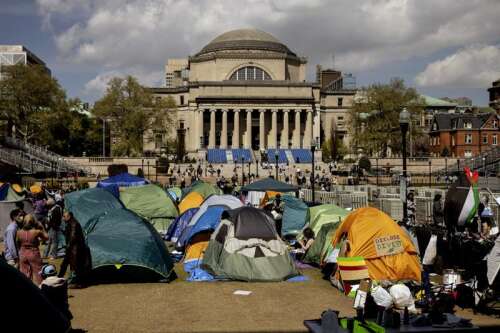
308, 240
55, 289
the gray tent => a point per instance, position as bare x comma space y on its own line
493, 261
269, 184
245, 246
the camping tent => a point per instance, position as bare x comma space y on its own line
245, 246
152, 203
386, 248
323, 214
322, 244
493, 262
295, 215
192, 200
175, 192
122, 180
8, 193
269, 184
23, 297
202, 188
180, 223
124, 247
208, 216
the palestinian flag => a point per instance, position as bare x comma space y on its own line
352, 268
462, 200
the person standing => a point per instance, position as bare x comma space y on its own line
54, 217
11, 253
437, 210
28, 240
77, 255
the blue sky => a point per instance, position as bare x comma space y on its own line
443, 48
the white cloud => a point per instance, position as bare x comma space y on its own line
472, 67
116, 35
98, 85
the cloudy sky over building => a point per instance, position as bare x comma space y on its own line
443, 48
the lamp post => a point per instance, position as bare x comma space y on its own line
276, 155
148, 169
103, 137
242, 171
404, 122
257, 168
430, 173
249, 164
313, 149
377, 170
446, 171
484, 169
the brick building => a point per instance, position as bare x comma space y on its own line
463, 135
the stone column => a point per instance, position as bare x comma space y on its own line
308, 130
248, 141
223, 138
236, 129
211, 138
274, 129
262, 129
296, 131
284, 132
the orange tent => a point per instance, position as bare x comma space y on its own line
387, 249
268, 196
192, 200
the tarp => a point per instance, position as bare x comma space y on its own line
295, 215
386, 247
269, 184
152, 203
323, 214
23, 296
122, 180
8, 193
192, 200
180, 223
211, 222
124, 247
202, 188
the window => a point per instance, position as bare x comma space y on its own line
468, 139
495, 142
340, 101
340, 118
468, 124
250, 73
485, 140
158, 140
182, 99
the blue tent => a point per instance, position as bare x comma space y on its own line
180, 223
209, 220
123, 179
295, 215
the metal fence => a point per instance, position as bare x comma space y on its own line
346, 200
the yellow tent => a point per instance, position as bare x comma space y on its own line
387, 249
17, 188
268, 196
35, 189
192, 200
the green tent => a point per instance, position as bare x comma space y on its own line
322, 214
152, 203
269, 184
321, 244
295, 215
124, 247
202, 188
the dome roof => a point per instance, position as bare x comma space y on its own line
245, 39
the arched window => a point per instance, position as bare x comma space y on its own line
250, 73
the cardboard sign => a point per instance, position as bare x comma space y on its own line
388, 245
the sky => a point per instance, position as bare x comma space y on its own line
442, 48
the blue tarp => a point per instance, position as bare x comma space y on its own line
209, 220
180, 223
123, 179
295, 215
4, 190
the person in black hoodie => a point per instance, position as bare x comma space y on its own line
55, 289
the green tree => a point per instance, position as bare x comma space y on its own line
375, 117
133, 113
27, 93
333, 152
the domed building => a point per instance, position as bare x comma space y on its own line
247, 91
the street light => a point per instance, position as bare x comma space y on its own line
446, 171
484, 169
276, 155
404, 122
430, 173
242, 171
313, 149
257, 167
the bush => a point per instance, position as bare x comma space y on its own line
364, 163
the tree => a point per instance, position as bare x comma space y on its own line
364, 163
331, 151
133, 112
375, 117
27, 93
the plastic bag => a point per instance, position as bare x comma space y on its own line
430, 251
401, 296
381, 297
